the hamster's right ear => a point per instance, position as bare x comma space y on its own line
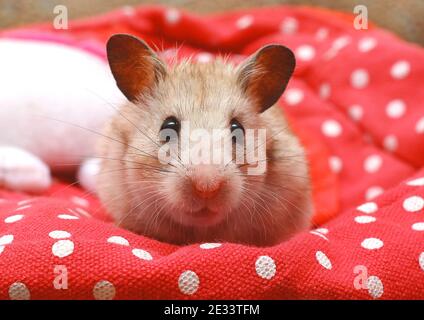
265, 75
135, 67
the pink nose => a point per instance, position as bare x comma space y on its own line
206, 191
206, 181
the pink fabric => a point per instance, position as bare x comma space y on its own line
356, 91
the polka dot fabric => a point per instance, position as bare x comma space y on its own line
354, 90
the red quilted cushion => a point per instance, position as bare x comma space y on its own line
356, 103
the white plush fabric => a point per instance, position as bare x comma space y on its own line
49, 92
21, 170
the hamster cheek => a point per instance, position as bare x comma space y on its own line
175, 195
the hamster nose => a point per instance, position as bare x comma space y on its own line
206, 181
206, 191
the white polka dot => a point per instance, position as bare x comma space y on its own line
369, 207
373, 192
265, 267
67, 217
400, 69
204, 57
19, 291
418, 226
375, 287
289, 25
419, 127
372, 163
366, 44
142, 254
335, 163
372, 243
325, 90
59, 234
244, 22
1, 249
395, 109
293, 96
305, 52
331, 128
80, 201
14, 218
188, 282
210, 245
416, 182
322, 230
390, 142
118, 240
323, 260
172, 16
322, 34
365, 219
336, 46
104, 290
359, 79
356, 112
6, 239
421, 260
341, 42
413, 204
63, 248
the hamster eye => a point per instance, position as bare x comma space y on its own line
237, 130
170, 123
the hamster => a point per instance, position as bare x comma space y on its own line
183, 202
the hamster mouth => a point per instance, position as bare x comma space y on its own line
204, 212
202, 217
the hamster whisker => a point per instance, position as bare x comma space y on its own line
258, 180
102, 135
273, 159
124, 194
104, 158
259, 196
281, 200
284, 174
117, 109
153, 219
153, 194
287, 200
251, 196
159, 171
281, 196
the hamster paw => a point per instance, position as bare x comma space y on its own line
23, 171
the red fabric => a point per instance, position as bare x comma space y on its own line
356, 92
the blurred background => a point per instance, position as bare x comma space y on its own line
404, 17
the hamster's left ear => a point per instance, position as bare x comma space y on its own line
135, 67
265, 74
